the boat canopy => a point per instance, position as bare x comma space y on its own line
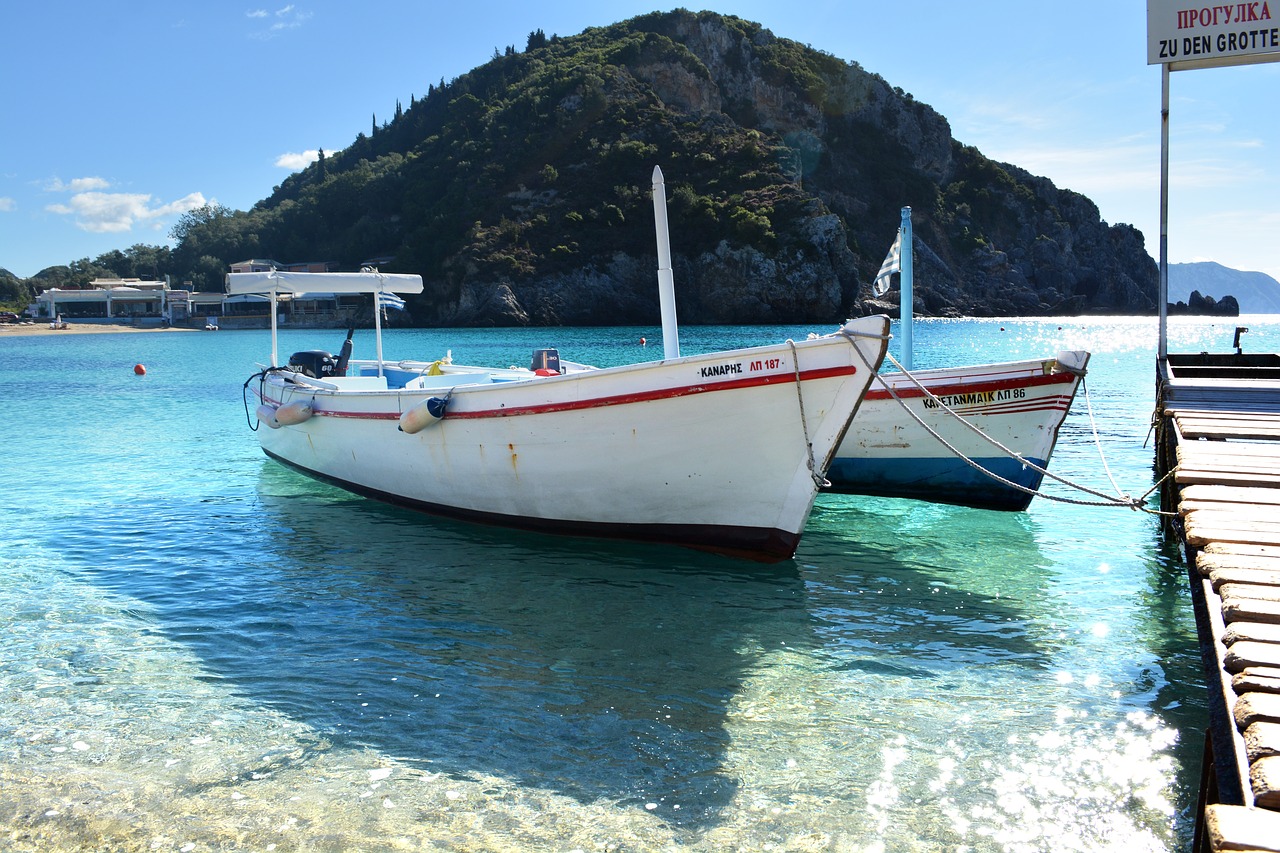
278, 282
294, 285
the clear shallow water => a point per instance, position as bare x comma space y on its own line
204, 651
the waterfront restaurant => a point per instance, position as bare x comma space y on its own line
121, 299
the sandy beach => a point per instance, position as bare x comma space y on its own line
42, 328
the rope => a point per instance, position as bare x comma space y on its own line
1122, 499
1097, 440
261, 376
818, 480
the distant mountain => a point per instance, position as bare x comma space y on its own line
1256, 292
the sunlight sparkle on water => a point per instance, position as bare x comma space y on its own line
1061, 791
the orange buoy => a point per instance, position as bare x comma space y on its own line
140, 370
643, 342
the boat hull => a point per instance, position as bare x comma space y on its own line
1019, 404
704, 451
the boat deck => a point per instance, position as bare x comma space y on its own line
1219, 423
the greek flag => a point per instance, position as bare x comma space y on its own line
889, 267
390, 300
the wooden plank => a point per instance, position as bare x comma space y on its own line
1242, 655
1200, 534
1264, 776
1208, 564
1240, 533
1238, 521
1258, 592
1238, 550
1250, 610
1263, 512
1225, 461
1228, 495
1189, 419
1229, 464
1222, 430
1230, 449
1256, 707
1251, 680
1262, 739
1258, 577
1233, 423
1193, 413
1240, 828
1225, 478
1253, 513
1258, 632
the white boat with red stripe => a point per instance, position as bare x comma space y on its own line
724, 451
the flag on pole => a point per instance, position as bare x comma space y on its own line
390, 300
890, 266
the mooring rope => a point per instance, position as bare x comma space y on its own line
818, 480
1119, 500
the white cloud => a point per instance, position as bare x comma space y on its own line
287, 18
77, 185
256, 13
99, 212
293, 161
7, 204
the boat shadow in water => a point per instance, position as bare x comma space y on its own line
595, 669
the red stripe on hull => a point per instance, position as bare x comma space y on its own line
615, 400
909, 391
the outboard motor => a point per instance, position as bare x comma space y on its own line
545, 362
315, 363
344, 356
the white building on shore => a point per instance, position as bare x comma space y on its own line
108, 299
141, 302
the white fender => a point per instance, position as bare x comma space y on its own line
267, 415
427, 413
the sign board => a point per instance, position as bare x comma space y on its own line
1191, 34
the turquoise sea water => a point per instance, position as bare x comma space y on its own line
204, 651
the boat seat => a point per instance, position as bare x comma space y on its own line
425, 382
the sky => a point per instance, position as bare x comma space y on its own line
116, 118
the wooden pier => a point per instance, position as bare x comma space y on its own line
1218, 437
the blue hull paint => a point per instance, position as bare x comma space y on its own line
940, 480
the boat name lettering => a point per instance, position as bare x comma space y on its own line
975, 398
720, 369
766, 364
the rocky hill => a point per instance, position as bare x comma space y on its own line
520, 191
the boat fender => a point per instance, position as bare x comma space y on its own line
267, 415
427, 413
292, 414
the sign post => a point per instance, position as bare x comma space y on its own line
1188, 34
